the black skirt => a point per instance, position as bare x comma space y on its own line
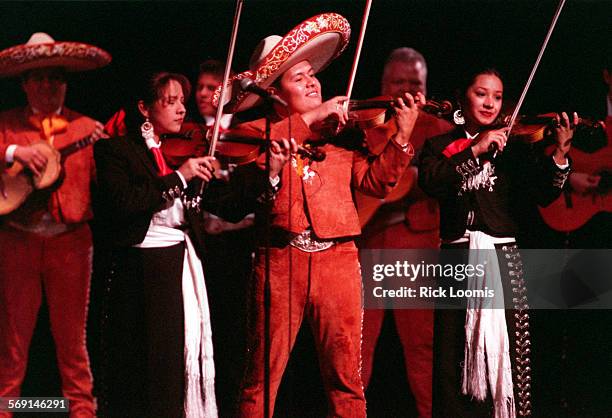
142, 366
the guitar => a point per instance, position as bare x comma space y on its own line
16, 183
572, 210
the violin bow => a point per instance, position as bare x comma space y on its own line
226, 74
535, 67
364, 24
222, 95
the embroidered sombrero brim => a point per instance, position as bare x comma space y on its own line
73, 56
318, 40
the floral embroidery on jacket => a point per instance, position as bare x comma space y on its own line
302, 169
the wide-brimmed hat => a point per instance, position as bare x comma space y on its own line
43, 51
318, 40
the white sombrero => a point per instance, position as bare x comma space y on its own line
42, 51
319, 40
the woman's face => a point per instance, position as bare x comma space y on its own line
168, 112
483, 101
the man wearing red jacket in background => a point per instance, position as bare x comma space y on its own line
46, 242
411, 222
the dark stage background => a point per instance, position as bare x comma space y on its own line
453, 35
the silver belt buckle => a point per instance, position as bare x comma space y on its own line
307, 242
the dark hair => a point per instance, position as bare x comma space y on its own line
153, 88
214, 67
149, 91
471, 78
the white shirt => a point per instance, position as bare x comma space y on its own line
226, 120
164, 226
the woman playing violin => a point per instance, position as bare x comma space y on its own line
479, 360
157, 344
314, 272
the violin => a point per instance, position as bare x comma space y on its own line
366, 114
190, 142
232, 147
374, 112
194, 141
532, 129
237, 146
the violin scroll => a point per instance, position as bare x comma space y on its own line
439, 109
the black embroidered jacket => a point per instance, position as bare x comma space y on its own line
482, 195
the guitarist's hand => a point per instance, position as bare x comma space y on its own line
583, 183
31, 158
99, 132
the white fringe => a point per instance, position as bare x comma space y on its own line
200, 401
474, 381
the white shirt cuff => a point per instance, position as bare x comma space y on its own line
274, 181
562, 166
10, 153
182, 179
406, 148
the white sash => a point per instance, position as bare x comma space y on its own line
200, 401
486, 334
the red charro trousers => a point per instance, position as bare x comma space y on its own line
325, 288
414, 326
61, 265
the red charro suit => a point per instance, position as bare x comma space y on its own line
411, 223
56, 258
323, 286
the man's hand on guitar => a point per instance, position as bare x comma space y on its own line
31, 158
583, 183
99, 132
